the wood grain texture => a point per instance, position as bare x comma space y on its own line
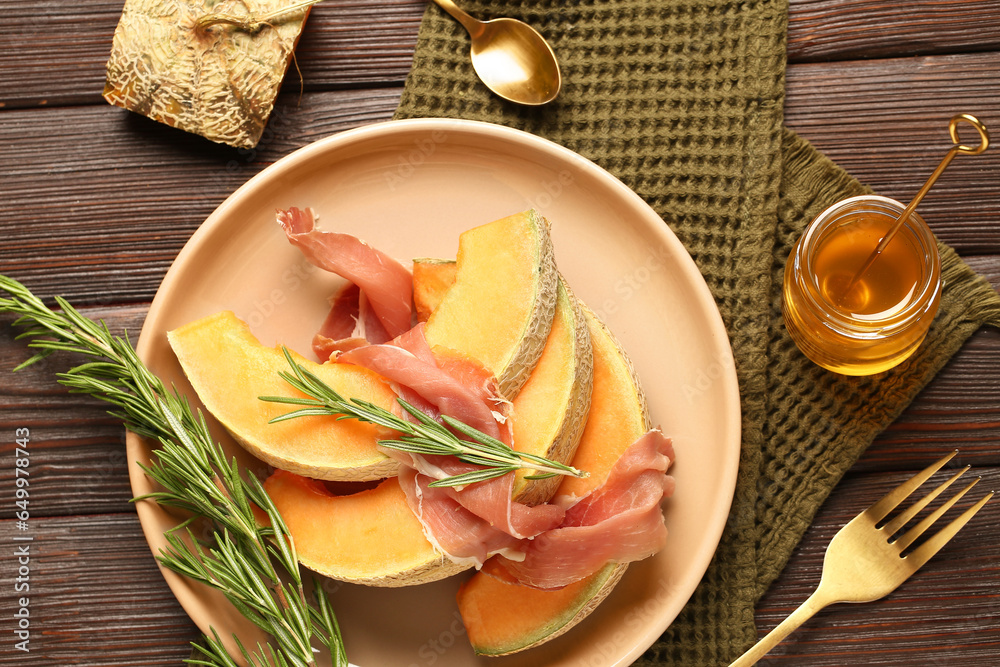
946, 614
158, 184
97, 202
886, 123
77, 450
120, 206
855, 29
55, 54
96, 596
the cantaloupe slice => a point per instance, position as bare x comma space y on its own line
550, 411
229, 369
500, 309
618, 412
502, 617
370, 537
431, 280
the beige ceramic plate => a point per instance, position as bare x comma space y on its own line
409, 188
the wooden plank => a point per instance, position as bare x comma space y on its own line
156, 185
62, 49
852, 29
96, 596
77, 450
159, 183
960, 410
83, 605
944, 615
55, 54
886, 123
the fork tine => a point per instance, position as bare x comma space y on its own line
903, 518
918, 530
881, 508
923, 553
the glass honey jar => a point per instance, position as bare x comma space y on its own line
856, 320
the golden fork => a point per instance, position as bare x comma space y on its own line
864, 563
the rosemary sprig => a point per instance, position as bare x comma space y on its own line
195, 476
424, 436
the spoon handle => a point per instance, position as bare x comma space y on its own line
473, 26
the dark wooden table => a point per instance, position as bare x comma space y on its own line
95, 203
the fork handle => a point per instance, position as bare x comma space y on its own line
813, 603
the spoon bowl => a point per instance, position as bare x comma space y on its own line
511, 58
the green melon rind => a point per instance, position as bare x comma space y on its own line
524, 357
574, 417
513, 372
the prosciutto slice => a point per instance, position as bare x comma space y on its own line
408, 361
351, 323
451, 521
384, 281
545, 546
620, 521
481, 519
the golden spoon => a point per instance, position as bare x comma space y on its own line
510, 57
984, 142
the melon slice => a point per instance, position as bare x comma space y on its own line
550, 411
502, 617
370, 537
618, 412
229, 369
500, 309
431, 280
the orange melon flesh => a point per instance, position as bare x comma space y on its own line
500, 308
229, 369
618, 414
550, 410
503, 618
431, 280
370, 537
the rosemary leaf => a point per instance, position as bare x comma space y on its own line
422, 436
467, 478
193, 473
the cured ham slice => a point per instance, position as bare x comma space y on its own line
620, 521
351, 323
545, 546
384, 281
451, 523
408, 361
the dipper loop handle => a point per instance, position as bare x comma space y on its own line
984, 142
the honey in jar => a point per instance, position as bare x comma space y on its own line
853, 322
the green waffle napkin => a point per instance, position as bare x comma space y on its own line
683, 101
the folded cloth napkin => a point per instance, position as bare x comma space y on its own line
683, 101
